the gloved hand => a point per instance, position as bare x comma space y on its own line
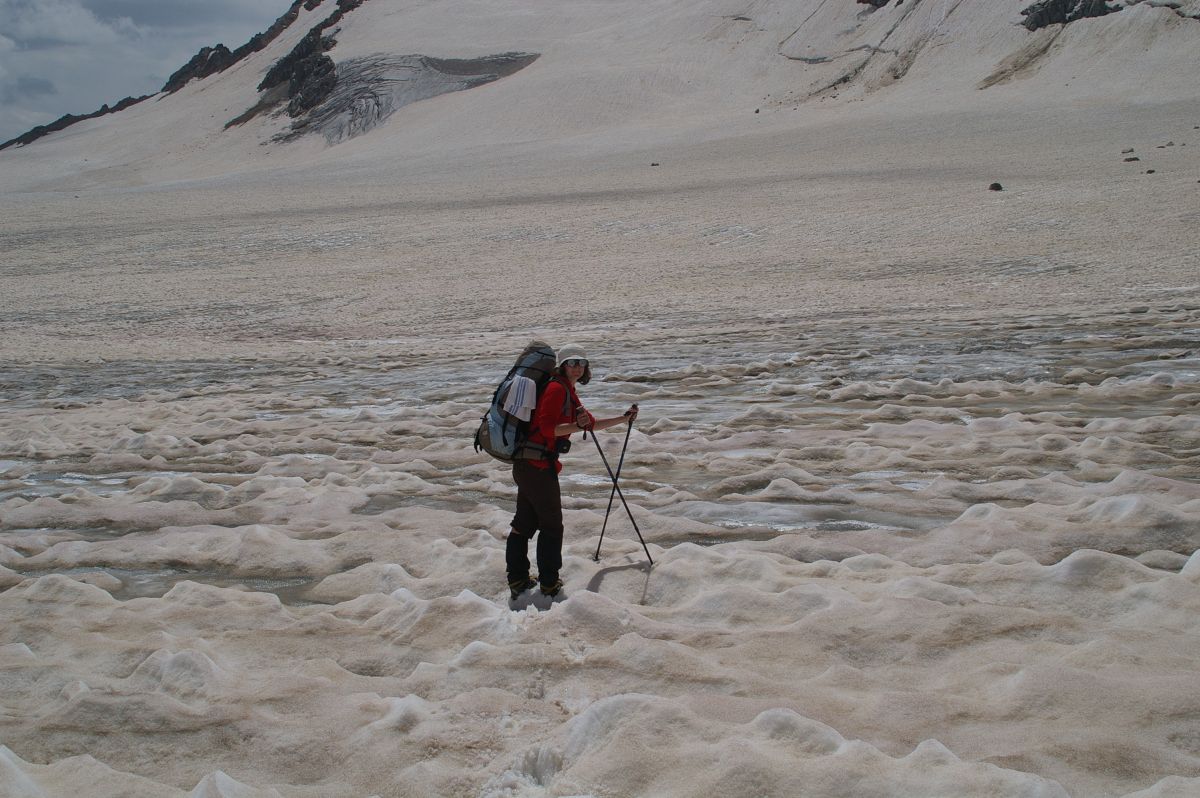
584, 419
631, 413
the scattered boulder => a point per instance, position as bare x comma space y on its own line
1126, 152
1149, 171
1131, 159
995, 187
874, 3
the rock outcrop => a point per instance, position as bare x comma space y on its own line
308, 73
340, 101
1061, 12
211, 60
305, 76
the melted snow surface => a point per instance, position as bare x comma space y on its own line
867, 580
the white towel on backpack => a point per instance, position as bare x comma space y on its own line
522, 398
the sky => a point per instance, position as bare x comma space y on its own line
73, 56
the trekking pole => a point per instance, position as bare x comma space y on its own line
617, 488
612, 493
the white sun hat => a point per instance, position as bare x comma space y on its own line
575, 352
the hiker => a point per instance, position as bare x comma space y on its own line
539, 503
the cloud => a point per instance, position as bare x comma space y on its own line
25, 88
72, 56
39, 24
190, 14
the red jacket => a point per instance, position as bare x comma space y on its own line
558, 404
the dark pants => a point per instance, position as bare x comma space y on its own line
539, 510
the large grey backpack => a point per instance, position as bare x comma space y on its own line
504, 435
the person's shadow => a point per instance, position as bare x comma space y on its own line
594, 583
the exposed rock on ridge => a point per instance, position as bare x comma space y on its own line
880, 41
66, 120
844, 45
305, 76
209, 61
308, 73
1061, 12
1048, 19
345, 100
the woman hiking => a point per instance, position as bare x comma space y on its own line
558, 414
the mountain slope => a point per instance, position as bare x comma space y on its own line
626, 72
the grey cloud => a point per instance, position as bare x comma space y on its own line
33, 25
186, 14
26, 88
91, 52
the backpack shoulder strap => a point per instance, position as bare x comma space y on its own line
568, 409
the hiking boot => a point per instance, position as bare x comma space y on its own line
518, 586
552, 590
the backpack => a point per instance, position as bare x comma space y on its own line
502, 434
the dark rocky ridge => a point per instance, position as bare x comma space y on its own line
66, 120
1061, 12
344, 100
305, 76
309, 74
209, 61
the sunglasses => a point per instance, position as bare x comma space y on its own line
575, 363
